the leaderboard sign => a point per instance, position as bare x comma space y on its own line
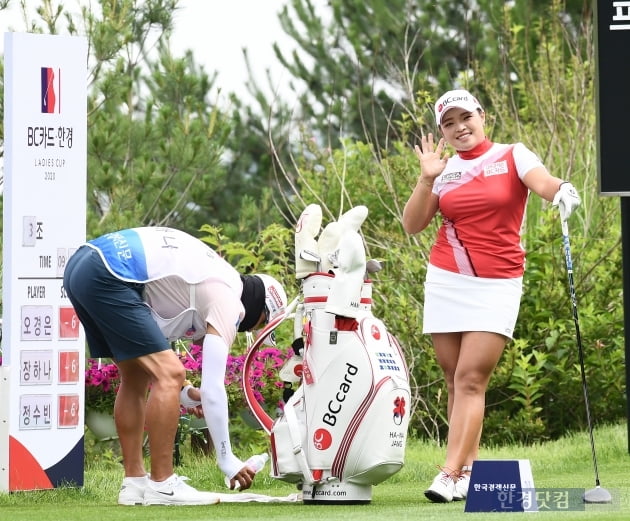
613, 96
43, 347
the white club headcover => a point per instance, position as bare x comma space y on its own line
328, 243
306, 230
329, 240
344, 298
353, 218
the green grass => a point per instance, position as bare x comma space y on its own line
566, 463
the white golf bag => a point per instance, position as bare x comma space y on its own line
345, 427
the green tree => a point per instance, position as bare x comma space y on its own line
155, 134
363, 70
360, 64
344, 145
544, 99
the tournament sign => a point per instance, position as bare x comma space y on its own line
43, 346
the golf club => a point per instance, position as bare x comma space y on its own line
597, 494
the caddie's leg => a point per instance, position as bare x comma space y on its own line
129, 415
166, 375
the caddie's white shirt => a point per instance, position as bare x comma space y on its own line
186, 283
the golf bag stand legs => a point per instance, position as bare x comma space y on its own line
336, 492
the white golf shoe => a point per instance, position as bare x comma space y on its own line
174, 491
132, 491
442, 488
461, 487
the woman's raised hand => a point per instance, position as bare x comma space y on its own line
432, 158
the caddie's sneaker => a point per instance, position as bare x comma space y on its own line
174, 491
442, 488
132, 491
461, 487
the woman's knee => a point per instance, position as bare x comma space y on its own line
471, 383
449, 379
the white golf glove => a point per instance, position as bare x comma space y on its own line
186, 400
566, 199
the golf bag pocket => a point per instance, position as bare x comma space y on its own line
357, 403
373, 448
288, 438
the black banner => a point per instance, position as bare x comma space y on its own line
612, 45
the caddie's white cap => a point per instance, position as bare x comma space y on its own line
275, 296
455, 98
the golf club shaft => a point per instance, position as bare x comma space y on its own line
569, 263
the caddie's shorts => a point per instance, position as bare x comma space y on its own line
117, 322
455, 303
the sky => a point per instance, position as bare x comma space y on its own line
216, 31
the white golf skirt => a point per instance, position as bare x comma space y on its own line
455, 303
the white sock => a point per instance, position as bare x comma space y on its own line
158, 484
137, 480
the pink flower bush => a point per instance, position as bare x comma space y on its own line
102, 379
191, 358
101, 385
263, 377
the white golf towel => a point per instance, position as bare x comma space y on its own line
244, 497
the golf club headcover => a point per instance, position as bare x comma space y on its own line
566, 199
306, 230
353, 218
328, 243
344, 298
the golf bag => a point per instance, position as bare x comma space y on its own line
344, 428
